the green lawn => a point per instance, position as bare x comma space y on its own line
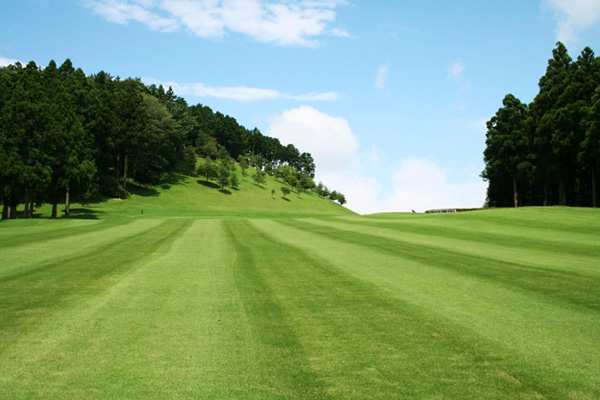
186, 196
498, 304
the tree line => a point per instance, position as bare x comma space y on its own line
548, 152
67, 137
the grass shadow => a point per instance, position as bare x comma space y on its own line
209, 184
144, 191
173, 179
85, 213
225, 191
284, 198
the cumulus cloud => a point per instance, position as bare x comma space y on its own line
422, 185
416, 184
573, 16
292, 22
240, 93
382, 73
7, 61
455, 70
335, 150
329, 140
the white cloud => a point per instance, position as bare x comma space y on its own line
382, 73
241, 93
416, 184
455, 70
573, 16
291, 22
7, 61
374, 156
314, 96
335, 150
362, 193
421, 185
123, 11
339, 32
329, 140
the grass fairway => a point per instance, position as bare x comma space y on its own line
499, 304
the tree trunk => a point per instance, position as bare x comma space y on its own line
12, 213
5, 211
515, 191
117, 169
26, 211
545, 195
31, 209
594, 192
67, 210
125, 172
54, 210
561, 192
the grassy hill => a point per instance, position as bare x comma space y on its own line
487, 304
185, 196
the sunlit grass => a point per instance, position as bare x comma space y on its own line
491, 304
194, 197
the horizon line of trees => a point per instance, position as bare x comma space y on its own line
548, 152
67, 137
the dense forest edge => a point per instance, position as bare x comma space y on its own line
548, 152
66, 137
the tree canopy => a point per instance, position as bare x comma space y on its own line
548, 152
65, 136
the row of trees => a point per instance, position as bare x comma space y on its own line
225, 174
548, 152
65, 136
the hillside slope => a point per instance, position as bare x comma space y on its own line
186, 196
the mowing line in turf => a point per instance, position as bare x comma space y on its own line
550, 345
362, 342
20, 258
55, 230
550, 243
557, 286
29, 297
285, 370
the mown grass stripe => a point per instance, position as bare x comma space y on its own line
286, 373
548, 258
59, 230
528, 240
545, 219
173, 327
30, 297
558, 286
367, 343
548, 346
18, 259
566, 219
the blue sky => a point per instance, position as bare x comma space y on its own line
390, 97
